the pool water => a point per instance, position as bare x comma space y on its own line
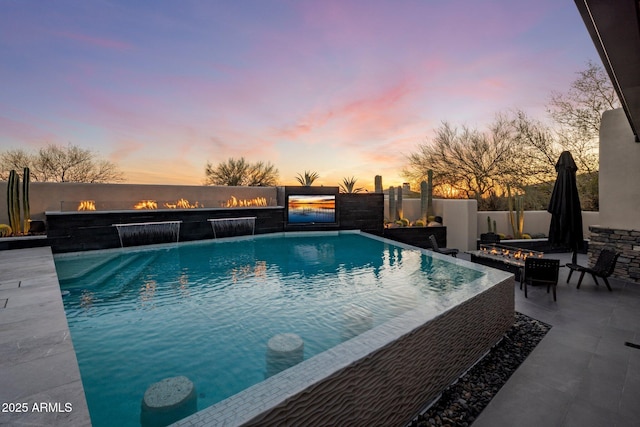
207, 310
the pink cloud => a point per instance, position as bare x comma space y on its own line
374, 114
124, 149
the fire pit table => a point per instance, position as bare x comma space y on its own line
503, 257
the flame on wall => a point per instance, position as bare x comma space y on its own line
234, 202
87, 205
146, 204
182, 204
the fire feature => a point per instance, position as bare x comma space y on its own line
234, 202
515, 255
182, 204
87, 205
146, 204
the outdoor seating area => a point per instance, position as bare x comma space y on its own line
446, 251
540, 271
603, 268
582, 373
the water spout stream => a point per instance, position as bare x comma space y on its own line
228, 227
147, 233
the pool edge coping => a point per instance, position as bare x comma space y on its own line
38, 359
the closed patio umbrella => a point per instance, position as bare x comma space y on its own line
564, 207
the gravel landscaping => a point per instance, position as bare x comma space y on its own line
462, 402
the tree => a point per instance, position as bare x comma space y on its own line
55, 163
578, 113
308, 178
241, 173
475, 164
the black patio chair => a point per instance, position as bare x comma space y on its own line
603, 268
446, 251
540, 271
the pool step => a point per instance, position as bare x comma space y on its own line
98, 273
131, 274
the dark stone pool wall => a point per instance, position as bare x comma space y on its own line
92, 230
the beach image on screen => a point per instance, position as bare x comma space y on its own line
311, 209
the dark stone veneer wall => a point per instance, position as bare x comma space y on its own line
81, 231
627, 242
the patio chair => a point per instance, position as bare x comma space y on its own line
446, 251
540, 271
603, 267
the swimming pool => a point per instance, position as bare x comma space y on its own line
207, 310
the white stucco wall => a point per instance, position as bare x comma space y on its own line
619, 173
534, 222
50, 196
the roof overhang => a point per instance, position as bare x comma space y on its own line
614, 26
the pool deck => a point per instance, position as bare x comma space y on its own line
39, 377
581, 374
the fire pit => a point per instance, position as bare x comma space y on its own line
503, 257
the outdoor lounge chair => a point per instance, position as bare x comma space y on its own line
436, 248
603, 267
540, 271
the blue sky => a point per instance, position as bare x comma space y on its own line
345, 88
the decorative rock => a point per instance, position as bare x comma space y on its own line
168, 401
283, 352
462, 402
356, 321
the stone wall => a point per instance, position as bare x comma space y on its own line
627, 242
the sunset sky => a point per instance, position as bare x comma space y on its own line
344, 88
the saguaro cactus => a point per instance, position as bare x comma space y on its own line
399, 212
491, 229
378, 183
13, 201
26, 211
392, 203
516, 213
429, 193
424, 201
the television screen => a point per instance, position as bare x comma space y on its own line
311, 209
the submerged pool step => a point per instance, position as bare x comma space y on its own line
65, 278
98, 273
131, 274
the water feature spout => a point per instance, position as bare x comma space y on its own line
147, 233
228, 227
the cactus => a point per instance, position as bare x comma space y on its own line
490, 229
378, 183
429, 193
13, 201
516, 213
424, 202
392, 204
26, 211
399, 212
5, 230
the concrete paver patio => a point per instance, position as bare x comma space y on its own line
581, 373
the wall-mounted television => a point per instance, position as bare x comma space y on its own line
311, 208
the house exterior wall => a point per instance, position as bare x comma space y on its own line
619, 222
619, 179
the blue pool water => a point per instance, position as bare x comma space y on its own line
206, 310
